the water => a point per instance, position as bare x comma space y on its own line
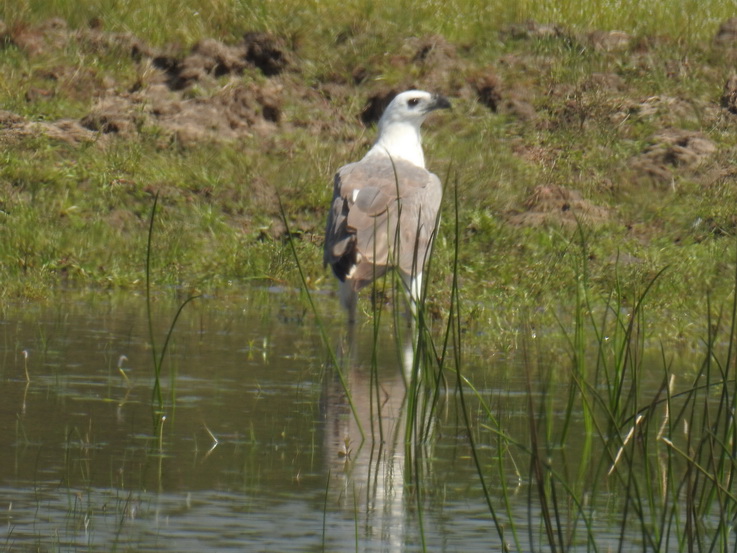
259, 450
81, 468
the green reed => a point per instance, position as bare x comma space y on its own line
663, 452
157, 400
321, 327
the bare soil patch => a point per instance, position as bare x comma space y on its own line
727, 33
729, 94
492, 93
219, 111
667, 111
673, 151
558, 205
13, 127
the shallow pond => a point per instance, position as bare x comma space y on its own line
259, 450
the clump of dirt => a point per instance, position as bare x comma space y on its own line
604, 82
77, 83
266, 52
376, 104
35, 40
14, 127
97, 40
163, 96
729, 94
590, 102
234, 112
667, 110
230, 113
10, 119
210, 59
54, 34
256, 49
428, 59
437, 61
604, 41
122, 219
673, 151
532, 30
580, 107
114, 114
491, 92
727, 33
609, 41
557, 205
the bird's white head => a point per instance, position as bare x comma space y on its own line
399, 126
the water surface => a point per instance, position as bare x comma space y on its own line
81, 467
260, 449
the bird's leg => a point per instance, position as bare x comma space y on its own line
410, 337
413, 287
408, 343
348, 299
415, 290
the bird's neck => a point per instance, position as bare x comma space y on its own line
399, 141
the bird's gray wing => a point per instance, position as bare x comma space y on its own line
383, 214
417, 216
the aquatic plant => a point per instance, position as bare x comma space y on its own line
157, 399
662, 453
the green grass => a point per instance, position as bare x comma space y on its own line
683, 20
75, 214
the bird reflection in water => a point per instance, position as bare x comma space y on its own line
368, 457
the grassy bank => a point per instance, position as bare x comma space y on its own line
584, 137
461, 20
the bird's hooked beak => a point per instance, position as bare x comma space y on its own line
438, 102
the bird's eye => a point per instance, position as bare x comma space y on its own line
412, 102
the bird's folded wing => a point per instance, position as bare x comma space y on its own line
372, 198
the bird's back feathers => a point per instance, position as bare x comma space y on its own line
383, 215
